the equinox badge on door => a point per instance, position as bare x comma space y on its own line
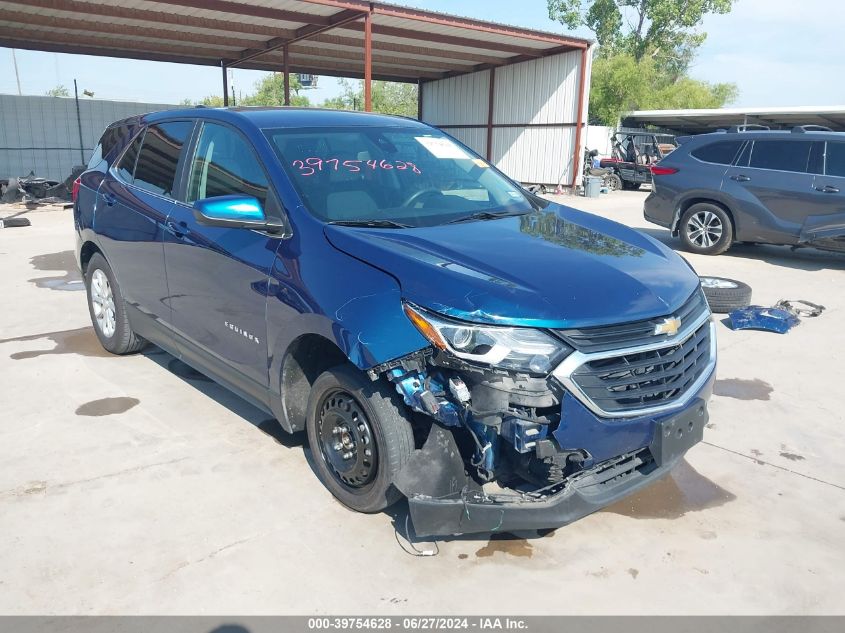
669, 326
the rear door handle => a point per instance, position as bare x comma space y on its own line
110, 199
828, 189
740, 178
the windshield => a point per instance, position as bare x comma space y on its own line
392, 176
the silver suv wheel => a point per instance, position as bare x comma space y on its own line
102, 303
704, 229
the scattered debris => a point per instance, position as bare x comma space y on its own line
780, 318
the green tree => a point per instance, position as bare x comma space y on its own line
268, 91
645, 50
621, 84
58, 91
388, 97
664, 30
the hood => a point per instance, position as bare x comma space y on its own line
555, 268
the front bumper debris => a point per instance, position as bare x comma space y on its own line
458, 506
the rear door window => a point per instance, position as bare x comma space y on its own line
158, 160
781, 155
835, 159
721, 152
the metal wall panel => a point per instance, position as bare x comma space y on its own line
473, 137
535, 155
41, 134
542, 91
460, 100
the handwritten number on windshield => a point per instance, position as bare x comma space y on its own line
311, 165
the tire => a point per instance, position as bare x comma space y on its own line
614, 182
706, 229
725, 295
630, 186
344, 398
108, 310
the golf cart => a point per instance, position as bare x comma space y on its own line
633, 155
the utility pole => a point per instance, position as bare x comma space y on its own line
79, 124
17, 76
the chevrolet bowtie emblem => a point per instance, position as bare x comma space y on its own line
669, 326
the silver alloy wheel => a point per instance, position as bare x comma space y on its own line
704, 229
717, 282
102, 302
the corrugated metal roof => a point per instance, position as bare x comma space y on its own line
706, 120
408, 44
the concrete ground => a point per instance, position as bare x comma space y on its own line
134, 485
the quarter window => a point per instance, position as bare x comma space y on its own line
781, 155
721, 153
224, 164
159, 157
126, 167
835, 159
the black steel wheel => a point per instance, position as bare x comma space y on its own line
360, 438
346, 440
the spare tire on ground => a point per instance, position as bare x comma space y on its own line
725, 295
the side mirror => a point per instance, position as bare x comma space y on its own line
235, 211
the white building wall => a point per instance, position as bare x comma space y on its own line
535, 109
41, 134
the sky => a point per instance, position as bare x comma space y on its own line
778, 52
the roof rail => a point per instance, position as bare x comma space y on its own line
747, 128
800, 129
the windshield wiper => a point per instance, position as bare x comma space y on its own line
487, 215
379, 224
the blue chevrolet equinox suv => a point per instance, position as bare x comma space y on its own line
438, 332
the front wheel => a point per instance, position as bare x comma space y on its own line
359, 437
614, 182
706, 229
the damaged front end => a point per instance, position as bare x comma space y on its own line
530, 428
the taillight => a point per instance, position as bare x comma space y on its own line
657, 170
74, 189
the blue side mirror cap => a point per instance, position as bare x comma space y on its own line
236, 208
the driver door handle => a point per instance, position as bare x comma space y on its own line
828, 189
740, 178
109, 199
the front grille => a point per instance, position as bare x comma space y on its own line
609, 337
645, 379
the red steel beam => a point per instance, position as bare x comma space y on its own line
476, 25
368, 62
582, 80
252, 10
453, 40
338, 19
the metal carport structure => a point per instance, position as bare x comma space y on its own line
346, 38
710, 120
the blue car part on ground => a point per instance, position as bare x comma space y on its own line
775, 320
538, 362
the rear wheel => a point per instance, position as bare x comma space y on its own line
614, 182
706, 229
108, 310
359, 437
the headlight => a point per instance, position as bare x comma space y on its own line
518, 349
